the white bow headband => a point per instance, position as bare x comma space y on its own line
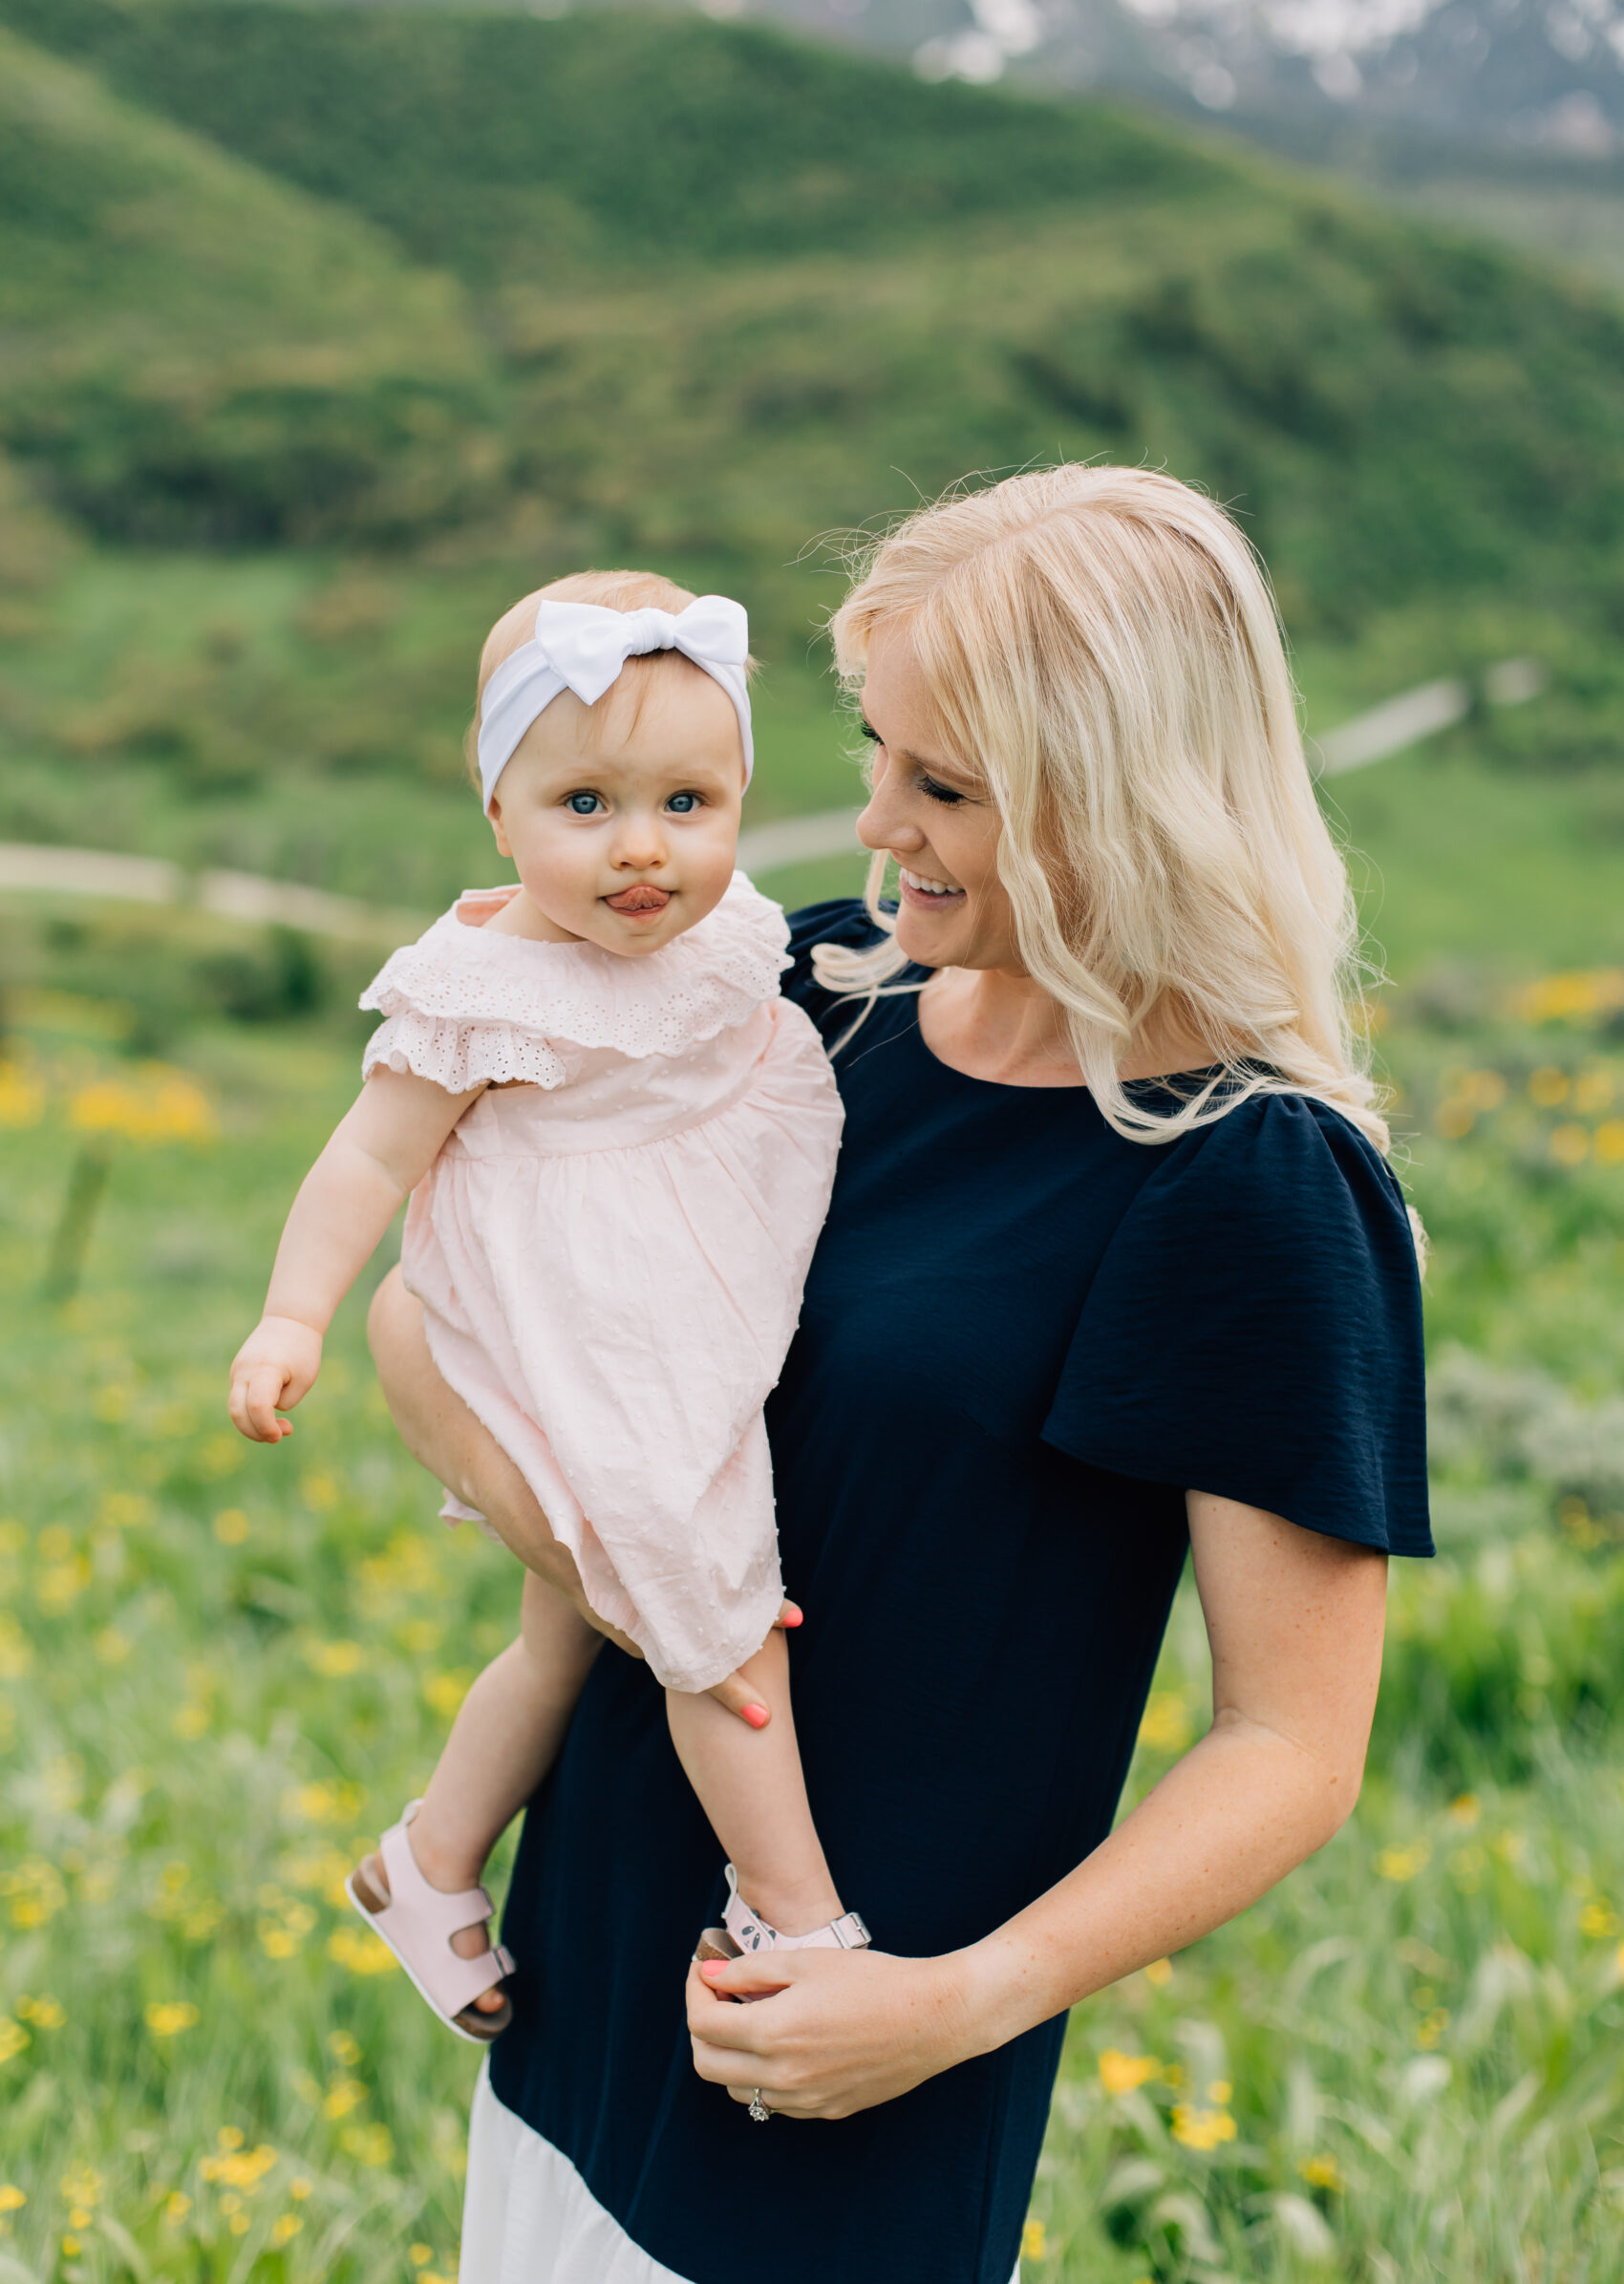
583, 647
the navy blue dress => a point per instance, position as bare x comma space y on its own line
1023, 1338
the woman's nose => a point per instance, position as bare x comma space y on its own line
884, 823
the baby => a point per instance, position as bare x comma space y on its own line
619, 1144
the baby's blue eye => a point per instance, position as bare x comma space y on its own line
682, 805
582, 805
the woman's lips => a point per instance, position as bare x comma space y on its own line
638, 903
927, 894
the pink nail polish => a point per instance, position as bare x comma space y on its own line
711, 1968
794, 1617
756, 1716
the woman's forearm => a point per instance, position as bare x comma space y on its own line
1240, 1811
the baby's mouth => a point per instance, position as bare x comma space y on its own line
637, 903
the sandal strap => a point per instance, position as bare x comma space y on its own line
419, 1921
754, 1934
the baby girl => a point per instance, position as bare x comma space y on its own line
619, 1142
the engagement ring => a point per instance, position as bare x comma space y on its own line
758, 2109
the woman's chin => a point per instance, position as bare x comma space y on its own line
932, 939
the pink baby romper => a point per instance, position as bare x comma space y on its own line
611, 1248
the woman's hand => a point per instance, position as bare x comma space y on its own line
842, 2030
738, 1696
275, 1366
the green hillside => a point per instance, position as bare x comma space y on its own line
193, 349
746, 290
504, 146
720, 293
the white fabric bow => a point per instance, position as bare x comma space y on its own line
582, 647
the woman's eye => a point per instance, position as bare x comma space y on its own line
937, 792
583, 804
683, 804
869, 729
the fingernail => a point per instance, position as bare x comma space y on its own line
756, 1716
711, 1968
794, 1617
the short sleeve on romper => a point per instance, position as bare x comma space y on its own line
1254, 1330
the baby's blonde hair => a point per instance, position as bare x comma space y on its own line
1102, 646
611, 590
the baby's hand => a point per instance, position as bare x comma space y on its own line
276, 1365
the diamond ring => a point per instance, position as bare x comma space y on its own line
758, 2109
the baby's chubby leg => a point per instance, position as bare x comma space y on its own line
504, 1738
750, 1784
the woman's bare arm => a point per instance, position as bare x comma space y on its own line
1295, 1623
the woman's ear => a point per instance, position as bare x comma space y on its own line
494, 813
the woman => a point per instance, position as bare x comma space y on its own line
1114, 1270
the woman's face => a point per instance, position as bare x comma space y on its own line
932, 812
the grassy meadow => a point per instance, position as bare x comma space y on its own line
223, 1669
288, 413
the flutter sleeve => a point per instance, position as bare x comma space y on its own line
457, 1011
1254, 1331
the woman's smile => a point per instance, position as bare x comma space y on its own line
919, 889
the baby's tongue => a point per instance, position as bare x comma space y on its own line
641, 899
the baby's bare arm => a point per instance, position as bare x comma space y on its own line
381, 1150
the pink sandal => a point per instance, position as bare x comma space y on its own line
417, 1921
744, 1931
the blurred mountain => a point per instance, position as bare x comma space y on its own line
1399, 85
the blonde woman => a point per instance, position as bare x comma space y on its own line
1116, 1273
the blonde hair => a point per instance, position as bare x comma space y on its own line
612, 591
1101, 644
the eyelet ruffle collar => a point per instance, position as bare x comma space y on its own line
707, 980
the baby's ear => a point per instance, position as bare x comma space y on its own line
494, 813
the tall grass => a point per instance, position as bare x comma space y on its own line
222, 1670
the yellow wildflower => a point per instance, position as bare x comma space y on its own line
12, 2198
22, 1097
1321, 2172
167, 2018
300, 2188
1403, 1863
1569, 1145
1201, 2128
157, 1104
1034, 2241
1609, 1142
1121, 2073
176, 2207
420, 2254
343, 2048
335, 1660
444, 1693
1159, 1971
359, 1949
343, 2095
1166, 1727
371, 2144
285, 2227
45, 2014
231, 1526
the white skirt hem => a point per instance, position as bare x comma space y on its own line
529, 2218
